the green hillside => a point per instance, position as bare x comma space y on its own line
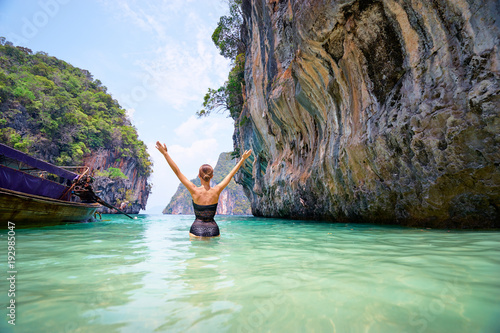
60, 113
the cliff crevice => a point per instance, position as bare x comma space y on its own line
129, 192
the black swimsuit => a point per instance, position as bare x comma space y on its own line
204, 225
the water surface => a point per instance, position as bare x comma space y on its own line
261, 275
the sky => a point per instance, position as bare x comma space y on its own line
156, 57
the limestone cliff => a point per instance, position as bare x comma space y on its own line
375, 111
129, 192
232, 200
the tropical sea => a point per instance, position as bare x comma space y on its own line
261, 275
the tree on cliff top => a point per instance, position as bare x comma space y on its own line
227, 38
227, 35
229, 97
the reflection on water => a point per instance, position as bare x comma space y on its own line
146, 275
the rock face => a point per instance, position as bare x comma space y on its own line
61, 114
373, 111
232, 200
132, 192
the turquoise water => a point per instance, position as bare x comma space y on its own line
261, 275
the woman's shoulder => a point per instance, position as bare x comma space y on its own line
204, 197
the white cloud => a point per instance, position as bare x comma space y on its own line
141, 19
198, 128
150, 16
130, 113
180, 62
182, 73
192, 157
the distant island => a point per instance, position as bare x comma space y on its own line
232, 200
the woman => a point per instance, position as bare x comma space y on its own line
205, 198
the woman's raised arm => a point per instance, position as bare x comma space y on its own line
163, 149
222, 185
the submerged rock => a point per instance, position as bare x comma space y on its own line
373, 111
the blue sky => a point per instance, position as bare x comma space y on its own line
155, 57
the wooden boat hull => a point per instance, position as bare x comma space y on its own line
27, 209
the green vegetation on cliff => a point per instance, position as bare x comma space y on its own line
111, 173
59, 112
235, 203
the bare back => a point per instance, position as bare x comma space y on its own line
205, 196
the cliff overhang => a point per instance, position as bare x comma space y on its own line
373, 111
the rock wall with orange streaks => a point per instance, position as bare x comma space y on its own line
373, 111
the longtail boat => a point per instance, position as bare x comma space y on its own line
34, 192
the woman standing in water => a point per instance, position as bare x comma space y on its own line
205, 198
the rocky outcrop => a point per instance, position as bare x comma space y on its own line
232, 200
61, 114
129, 193
373, 111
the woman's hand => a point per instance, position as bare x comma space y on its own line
246, 154
161, 147
222, 185
186, 182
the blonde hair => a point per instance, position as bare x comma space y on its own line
206, 172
